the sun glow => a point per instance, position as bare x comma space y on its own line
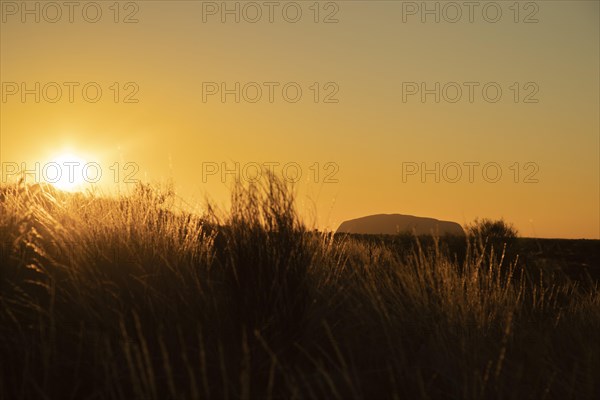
66, 172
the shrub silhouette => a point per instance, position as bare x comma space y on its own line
493, 230
496, 238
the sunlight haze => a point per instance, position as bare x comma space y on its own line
161, 116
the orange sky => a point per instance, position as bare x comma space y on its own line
360, 126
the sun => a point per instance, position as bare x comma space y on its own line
66, 172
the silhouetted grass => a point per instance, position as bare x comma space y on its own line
126, 298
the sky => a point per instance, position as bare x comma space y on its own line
451, 110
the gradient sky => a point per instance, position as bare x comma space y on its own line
369, 133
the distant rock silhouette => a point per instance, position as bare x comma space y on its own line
392, 224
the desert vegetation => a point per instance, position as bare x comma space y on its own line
128, 298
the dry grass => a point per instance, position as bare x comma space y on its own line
122, 299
